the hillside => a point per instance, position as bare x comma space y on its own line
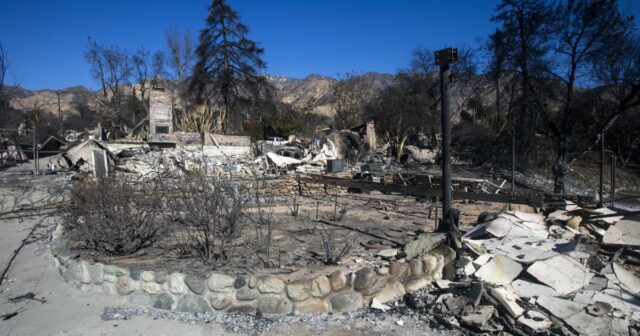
313, 91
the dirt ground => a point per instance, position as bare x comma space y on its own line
372, 222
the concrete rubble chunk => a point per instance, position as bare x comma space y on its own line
562, 273
479, 317
482, 259
499, 227
536, 321
607, 211
529, 217
508, 300
599, 308
560, 308
624, 232
500, 270
628, 281
527, 289
618, 299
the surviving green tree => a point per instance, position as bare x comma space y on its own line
227, 63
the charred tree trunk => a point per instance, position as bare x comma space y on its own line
561, 166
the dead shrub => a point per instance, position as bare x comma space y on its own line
113, 216
209, 216
339, 211
333, 253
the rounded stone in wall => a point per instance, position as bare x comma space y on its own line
135, 274
162, 277
274, 304
364, 278
311, 306
97, 273
141, 298
320, 287
195, 284
299, 290
346, 302
126, 285
415, 265
163, 301
270, 284
220, 300
338, 280
246, 294
220, 282
151, 287
147, 276
378, 284
190, 303
176, 283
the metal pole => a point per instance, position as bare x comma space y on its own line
600, 193
37, 149
33, 149
443, 59
513, 159
613, 179
446, 148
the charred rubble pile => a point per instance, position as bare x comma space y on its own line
571, 272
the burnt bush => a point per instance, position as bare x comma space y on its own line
207, 216
113, 216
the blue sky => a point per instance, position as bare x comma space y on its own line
45, 39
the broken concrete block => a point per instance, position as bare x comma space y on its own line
562, 273
560, 308
500, 270
628, 281
479, 317
536, 321
508, 300
527, 289
624, 232
482, 259
499, 227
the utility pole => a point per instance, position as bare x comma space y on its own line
445, 57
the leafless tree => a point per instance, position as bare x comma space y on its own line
4, 65
578, 64
146, 70
180, 60
112, 68
351, 97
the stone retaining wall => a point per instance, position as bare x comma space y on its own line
291, 187
340, 291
